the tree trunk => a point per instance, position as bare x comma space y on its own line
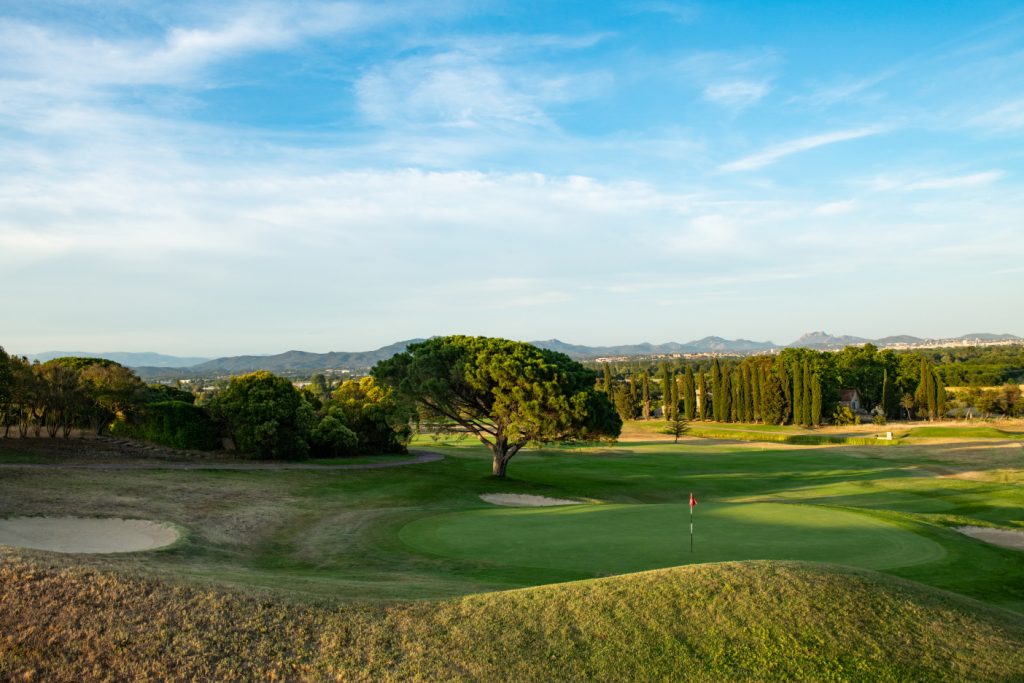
498, 466
501, 452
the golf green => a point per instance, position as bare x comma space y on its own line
619, 538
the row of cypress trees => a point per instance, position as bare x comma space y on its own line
757, 391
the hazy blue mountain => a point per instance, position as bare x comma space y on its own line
897, 339
705, 345
580, 351
823, 340
128, 358
288, 363
305, 363
720, 345
988, 336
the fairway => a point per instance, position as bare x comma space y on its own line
616, 538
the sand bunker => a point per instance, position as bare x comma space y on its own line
1004, 537
82, 535
523, 500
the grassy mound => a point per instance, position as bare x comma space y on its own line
730, 621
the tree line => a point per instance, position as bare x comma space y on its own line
264, 415
796, 386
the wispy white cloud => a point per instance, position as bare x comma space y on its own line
178, 54
1004, 118
843, 90
463, 90
956, 182
918, 181
732, 79
736, 94
836, 208
774, 153
683, 12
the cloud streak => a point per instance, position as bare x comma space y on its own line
776, 153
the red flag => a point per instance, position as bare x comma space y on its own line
693, 501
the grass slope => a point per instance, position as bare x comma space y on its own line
732, 621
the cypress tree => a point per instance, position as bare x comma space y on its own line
925, 394
773, 407
673, 403
744, 371
702, 385
787, 391
724, 407
763, 373
755, 392
691, 394
665, 379
716, 388
737, 396
931, 395
815, 401
807, 400
608, 380
681, 394
645, 387
798, 395
632, 388
885, 393
940, 395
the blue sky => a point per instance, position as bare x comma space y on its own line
226, 178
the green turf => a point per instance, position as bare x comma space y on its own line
288, 540
340, 534
616, 539
963, 433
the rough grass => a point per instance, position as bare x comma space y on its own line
731, 621
854, 435
796, 439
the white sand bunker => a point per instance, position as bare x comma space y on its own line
1004, 537
524, 500
83, 535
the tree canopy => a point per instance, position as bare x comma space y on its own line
265, 415
506, 393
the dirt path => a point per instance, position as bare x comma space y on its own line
421, 457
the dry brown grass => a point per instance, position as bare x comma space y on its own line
734, 621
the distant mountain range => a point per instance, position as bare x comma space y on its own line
158, 366
826, 341
132, 360
705, 345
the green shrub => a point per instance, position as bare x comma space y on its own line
172, 423
265, 415
844, 416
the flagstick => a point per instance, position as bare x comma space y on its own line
691, 527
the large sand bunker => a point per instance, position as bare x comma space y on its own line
524, 500
1006, 538
82, 535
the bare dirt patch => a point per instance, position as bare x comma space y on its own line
85, 535
1006, 538
525, 500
